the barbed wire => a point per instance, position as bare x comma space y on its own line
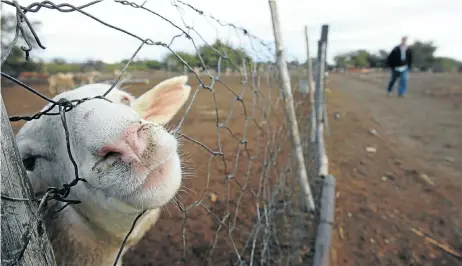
275, 190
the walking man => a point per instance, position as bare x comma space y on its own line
399, 61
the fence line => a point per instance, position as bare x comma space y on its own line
270, 166
327, 201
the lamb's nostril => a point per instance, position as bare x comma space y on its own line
143, 127
129, 147
110, 151
110, 154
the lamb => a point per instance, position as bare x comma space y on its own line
86, 78
60, 82
129, 160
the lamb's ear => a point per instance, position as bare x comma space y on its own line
162, 102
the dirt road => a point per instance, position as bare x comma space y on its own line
411, 185
429, 128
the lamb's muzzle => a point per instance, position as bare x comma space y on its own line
148, 148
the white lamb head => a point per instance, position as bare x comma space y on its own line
129, 160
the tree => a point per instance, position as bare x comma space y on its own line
360, 58
15, 63
60, 65
112, 67
177, 65
446, 64
378, 59
58, 61
375, 60
210, 55
341, 61
153, 64
383, 54
91, 65
423, 58
423, 54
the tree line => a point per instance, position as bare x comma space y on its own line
206, 55
423, 59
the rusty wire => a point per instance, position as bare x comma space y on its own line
275, 197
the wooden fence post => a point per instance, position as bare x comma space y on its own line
24, 239
290, 110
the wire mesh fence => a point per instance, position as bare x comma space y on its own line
240, 202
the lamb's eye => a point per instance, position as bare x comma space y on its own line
125, 100
29, 163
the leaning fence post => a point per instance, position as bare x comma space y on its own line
24, 239
289, 109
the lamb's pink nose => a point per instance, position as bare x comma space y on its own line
131, 144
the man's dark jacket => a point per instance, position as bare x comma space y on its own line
394, 58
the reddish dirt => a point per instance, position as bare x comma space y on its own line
215, 228
383, 197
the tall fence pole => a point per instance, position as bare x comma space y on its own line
327, 202
324, 39
320, 99
289, 109
319, 81
24, 239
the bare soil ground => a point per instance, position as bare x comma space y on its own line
412, 182
230, 199
411, 185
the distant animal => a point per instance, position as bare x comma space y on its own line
60, 82
85, 78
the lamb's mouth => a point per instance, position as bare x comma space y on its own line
157, 175
152, 176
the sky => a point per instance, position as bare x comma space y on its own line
353, 24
